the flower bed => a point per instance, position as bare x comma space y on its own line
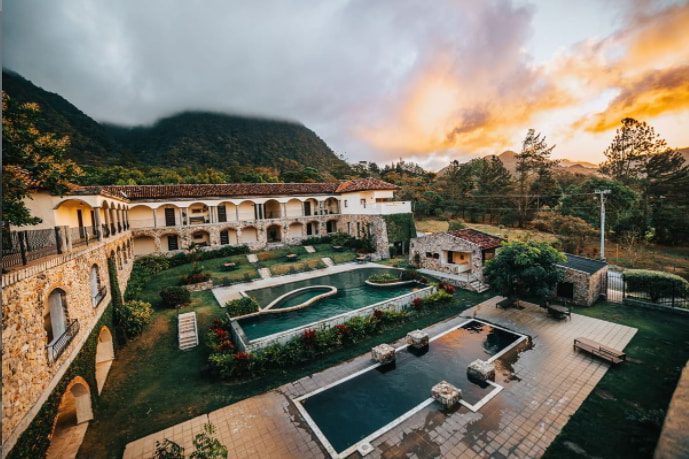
229, 362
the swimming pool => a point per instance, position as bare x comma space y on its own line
352, 294
364, 405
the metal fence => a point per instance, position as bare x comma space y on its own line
21, 247
56, 348
618, 291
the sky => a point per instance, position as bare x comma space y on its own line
377, 80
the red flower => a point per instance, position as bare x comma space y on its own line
226, 345
417, 303
449, 288
309, 336
242, 356
221, 334
378, 314
342, 329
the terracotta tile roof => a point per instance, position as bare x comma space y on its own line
484, 240
365, 184
219, 190
237, 189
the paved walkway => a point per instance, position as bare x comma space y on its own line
66, 442
543, 386
310, 249
265, 273
674, 441
232, 292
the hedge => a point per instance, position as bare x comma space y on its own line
656, 284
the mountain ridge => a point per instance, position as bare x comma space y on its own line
194, 138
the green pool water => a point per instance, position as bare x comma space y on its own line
352, 293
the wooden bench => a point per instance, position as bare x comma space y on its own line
559, 311
595, 348
506, 303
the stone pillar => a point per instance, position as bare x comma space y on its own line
97, 223
155, 218
446, 394
481, 370
383, 353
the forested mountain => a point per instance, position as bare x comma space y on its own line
190, 140
90, 142
227, 141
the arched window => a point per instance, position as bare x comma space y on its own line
59, 330
55, 322
97, 290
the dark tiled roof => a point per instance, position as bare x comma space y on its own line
484, 240
587, 265
238, 189
366, 184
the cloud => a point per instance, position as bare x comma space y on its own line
658, 92
376, 80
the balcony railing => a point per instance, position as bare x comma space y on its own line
83, 235
21, 247
57, 347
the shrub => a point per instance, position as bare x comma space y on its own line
656, 284
449, 288
342, 239
412, 274
133, 317
175, 297
455, 225
309, 337
315, 240
417, 303
207, 446
168, 449
195, 278
383, 278
241, 306
199, 255
441, 296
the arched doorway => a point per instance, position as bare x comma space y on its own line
71, 421
105, 354
274, 233
271, 209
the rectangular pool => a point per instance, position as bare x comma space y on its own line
364, 405
352, 293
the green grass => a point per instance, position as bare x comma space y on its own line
244, 271
623, 415
153, 385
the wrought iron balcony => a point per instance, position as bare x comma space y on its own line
57, 347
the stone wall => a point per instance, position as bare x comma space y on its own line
440, 243
674, 441
587, 287
27, 376
373, 223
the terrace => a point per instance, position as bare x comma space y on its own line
544, 385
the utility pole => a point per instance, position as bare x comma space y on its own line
602, 194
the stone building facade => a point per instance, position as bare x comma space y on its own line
33, 359
56, 282
585, 280
459, 255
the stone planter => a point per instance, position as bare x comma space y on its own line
417, 339
383, 353
446, 394
481, 370
200, 286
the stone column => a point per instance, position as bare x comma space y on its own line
155, 218
97, 223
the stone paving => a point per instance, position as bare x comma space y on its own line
264, 273
544, 384
310, 249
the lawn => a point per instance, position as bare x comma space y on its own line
277, 263
153, 385
640, 256
623, 415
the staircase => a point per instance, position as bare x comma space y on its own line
187, 331
478, 287
327, 261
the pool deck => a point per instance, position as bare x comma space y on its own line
543, 387
233, 292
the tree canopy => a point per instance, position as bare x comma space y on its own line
525, 269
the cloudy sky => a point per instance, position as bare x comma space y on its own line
423, 80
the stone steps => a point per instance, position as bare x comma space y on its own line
187, 331
479, 287
264, 273
252, 258
310, 249
327, 261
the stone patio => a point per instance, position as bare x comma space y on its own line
543, 386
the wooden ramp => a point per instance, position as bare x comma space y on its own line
187, 331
